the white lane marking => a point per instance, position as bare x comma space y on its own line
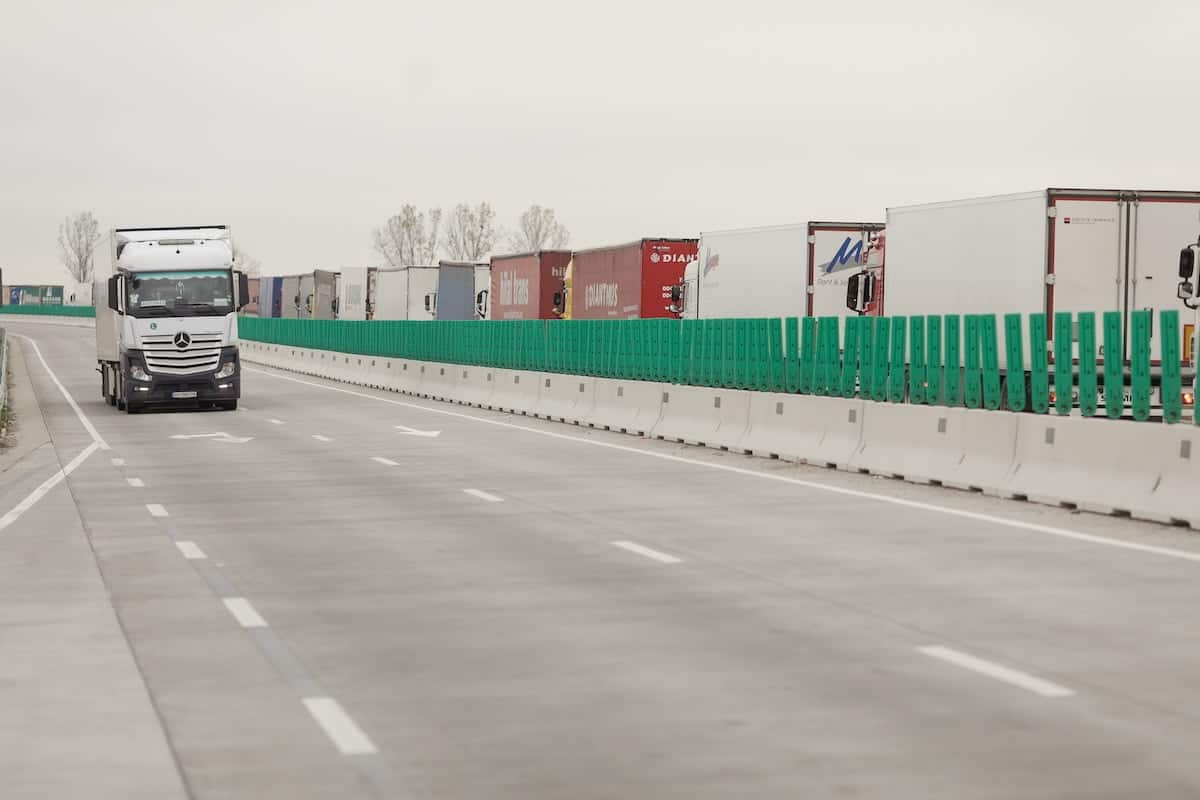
135, 482
87, 423
219, 436
320, 438
387, 462
346, 736
414, 432
118, 462
190, 550
1049, 530
275, 421
37, 494
1010, 676
156, 510
491, 498
243, 612
633, 547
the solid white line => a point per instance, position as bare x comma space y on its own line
190, 550
37, 494
1010, 676
156, 510
491, 498
1033, 527
648, 553
320, 438
346, 736
135, 482
118, 462
87, 424
243, 612
387, 462
275, 421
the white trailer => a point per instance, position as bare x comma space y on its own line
352, 293
405, 293
782, 271
1046, 251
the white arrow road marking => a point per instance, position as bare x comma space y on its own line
220, 436
414, 432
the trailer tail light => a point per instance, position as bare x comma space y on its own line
1189, 399
1053, 397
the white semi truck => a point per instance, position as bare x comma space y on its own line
782, 271
166, 319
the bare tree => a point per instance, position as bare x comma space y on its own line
471, 233
78, 237
410, 237
537, 229
246, 262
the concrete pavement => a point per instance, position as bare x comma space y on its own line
337, 608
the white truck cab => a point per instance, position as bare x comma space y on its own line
166, 319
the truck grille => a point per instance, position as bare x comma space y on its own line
163, 356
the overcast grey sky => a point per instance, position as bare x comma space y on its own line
305, 125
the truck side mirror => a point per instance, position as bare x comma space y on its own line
676, 294
114, 292
1187, 262
860, 291
558, 301
481, 303
243, 290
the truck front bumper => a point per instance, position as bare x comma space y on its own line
195, 389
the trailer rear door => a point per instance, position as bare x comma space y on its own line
1160, 228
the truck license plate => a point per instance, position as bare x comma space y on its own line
183, 395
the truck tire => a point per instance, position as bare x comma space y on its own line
119, 399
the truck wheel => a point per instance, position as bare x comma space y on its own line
119, 398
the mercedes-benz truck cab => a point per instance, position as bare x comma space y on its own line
166, 319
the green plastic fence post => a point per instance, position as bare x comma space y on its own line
729, 371
1139, 348
897, 368
808, 355
989, 347
1172, 401
1114, 377
741, 377
1088, 395
766, 372
933, 359
918, 380
791, 355
1038, 368
1063, 369
883, 328
830, 367
850, 357
1016, 362
776, 381
866, 349
971, 371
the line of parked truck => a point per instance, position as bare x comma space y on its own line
1045, 251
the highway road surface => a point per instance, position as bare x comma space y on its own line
336, 592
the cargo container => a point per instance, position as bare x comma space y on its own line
406, 293
629, 281
1045, 251
483, 291
523, 286
837, 250
352, 293
290, 300
455, 297
324, 294
270, 297
35, 295
251, 308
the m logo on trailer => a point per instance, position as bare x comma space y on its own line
848, 256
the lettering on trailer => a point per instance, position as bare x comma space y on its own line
669, 258
603, 295
558, 272
847, 257
514, 291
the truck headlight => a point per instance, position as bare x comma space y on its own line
138, 374
226, 370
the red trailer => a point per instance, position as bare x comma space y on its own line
629, 281
524, 285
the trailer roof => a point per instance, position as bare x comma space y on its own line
638, 242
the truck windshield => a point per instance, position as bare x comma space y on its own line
205, 292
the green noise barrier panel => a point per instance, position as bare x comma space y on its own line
950, 360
